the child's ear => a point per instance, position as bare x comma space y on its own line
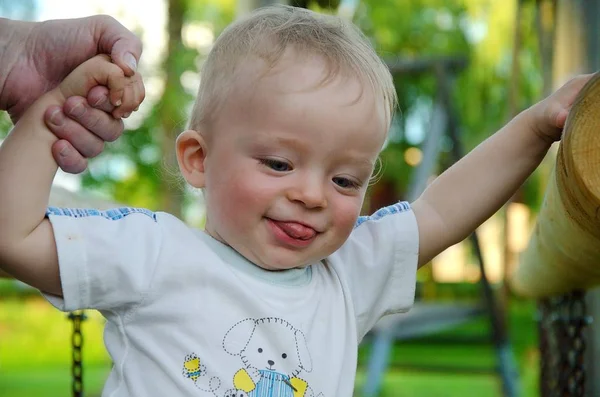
191, 153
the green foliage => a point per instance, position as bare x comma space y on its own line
480, 31
330, 5
218, 13
5, 124
143, 150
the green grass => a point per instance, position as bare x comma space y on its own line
410, 384
51, 381
35, 350
410, 360
35, 356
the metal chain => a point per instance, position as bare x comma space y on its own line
575, 327
546, 365
77, 342
562, 322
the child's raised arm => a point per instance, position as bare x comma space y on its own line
474, 188
27, 168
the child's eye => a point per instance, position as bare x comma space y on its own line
345, 183
276, 165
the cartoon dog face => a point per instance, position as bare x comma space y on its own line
269, 344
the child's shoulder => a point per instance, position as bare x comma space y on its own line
120, 221
397, 208
381, 234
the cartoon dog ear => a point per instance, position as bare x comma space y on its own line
303, 353
237, 338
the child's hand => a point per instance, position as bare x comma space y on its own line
548, 117
125, 93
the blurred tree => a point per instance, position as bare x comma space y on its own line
480, 30
147, 152
172, 105
324, 4
216, 13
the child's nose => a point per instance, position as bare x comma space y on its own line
309, 191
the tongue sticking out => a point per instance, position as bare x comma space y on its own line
297, 230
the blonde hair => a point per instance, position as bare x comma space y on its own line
267, 32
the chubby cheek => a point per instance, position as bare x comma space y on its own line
345, 213
238, 201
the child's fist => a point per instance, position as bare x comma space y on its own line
125, 93
548, 116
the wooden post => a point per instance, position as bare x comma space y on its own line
564, 250
592, 352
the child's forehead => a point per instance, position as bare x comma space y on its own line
304, 107
302, 93
300, 69
315, 126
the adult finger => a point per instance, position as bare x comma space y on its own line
124, 47
79, 135
68, 158
101, 124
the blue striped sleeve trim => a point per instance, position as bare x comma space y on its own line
111, 214
401, 206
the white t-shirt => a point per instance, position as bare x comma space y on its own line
189, 316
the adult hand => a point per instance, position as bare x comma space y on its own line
39, 55
82, 128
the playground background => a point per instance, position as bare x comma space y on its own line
35, 354
506, 64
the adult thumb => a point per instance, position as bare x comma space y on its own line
126, 53
124, 47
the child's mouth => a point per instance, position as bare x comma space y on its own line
292, 233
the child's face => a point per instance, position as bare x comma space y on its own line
288, 163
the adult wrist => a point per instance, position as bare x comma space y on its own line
13, 36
